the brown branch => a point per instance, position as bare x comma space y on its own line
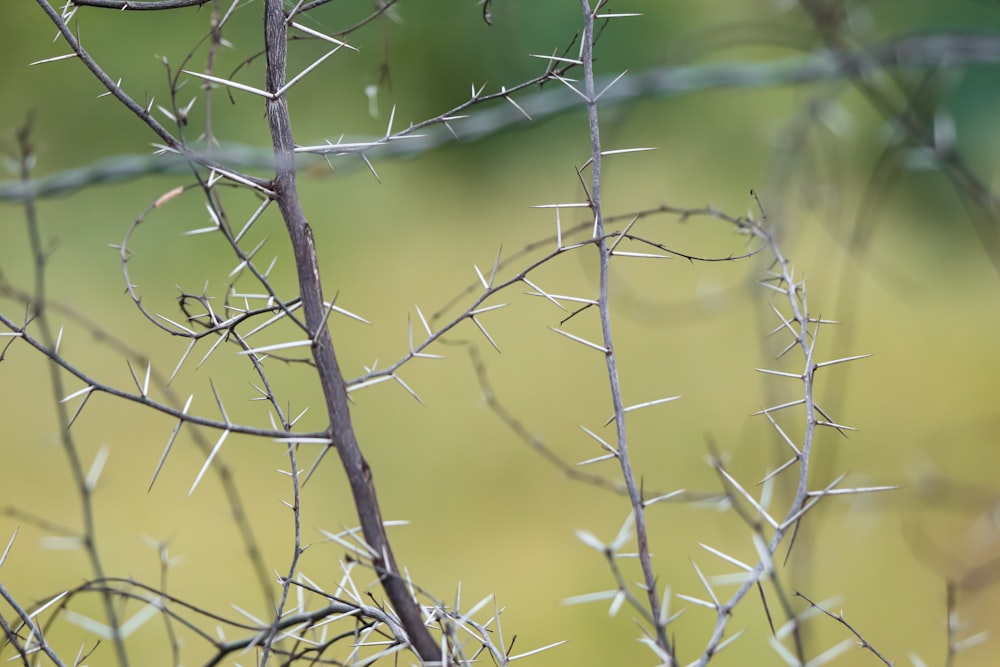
131, 6
342, 434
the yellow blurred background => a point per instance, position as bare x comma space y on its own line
486, 513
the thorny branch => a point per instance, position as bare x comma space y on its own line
944, 50
406, 623
81, 480
614, 383
342, 434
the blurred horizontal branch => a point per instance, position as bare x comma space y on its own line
944, 50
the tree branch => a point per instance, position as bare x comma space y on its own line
946, 50
342, 434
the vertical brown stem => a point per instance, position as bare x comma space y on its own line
359, 474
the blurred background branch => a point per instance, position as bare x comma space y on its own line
953, 50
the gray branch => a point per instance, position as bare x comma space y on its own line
951, 50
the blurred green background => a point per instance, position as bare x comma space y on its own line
892, 253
